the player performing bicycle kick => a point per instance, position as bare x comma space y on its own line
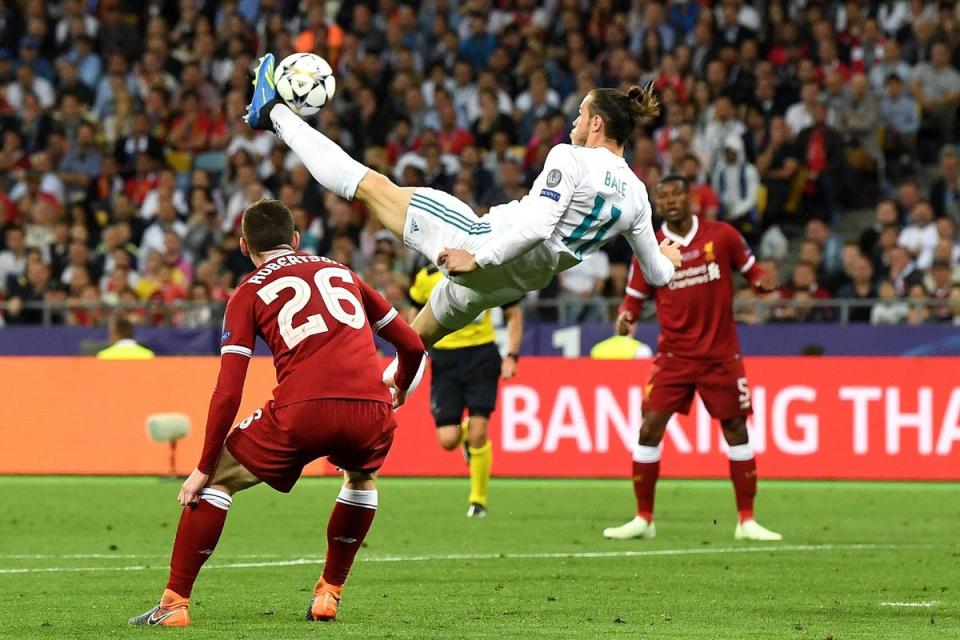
585, 196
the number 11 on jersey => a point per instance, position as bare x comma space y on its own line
587, 223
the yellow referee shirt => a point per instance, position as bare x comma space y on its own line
125, 350
478, 332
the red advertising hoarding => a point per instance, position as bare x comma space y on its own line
816, 417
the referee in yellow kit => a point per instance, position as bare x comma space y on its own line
123, 346
465, 370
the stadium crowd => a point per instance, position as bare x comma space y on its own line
125, 164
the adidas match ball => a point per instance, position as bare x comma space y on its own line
305, 82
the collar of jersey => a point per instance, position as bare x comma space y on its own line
683, 240
278, 254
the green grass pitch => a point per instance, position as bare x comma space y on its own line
78, 556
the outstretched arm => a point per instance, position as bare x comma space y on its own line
657, 263
540, 210
224, 404
235, 352
514, 316
388, 324
634, 297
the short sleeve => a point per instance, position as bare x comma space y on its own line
741, 257
239, 325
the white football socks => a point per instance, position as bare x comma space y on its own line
330, 165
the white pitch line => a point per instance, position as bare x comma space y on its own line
932, 603
489, 556
111, 556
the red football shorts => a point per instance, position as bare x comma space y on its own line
722, 386
276, 442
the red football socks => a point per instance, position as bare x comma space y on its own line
743, 473
197, 535
348, 526
645, 476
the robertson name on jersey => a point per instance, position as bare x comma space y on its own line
313, 314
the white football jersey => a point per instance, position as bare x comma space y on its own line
584, 197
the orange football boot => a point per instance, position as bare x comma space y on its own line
171, 611
326, 597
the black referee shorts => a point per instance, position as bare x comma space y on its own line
464, 378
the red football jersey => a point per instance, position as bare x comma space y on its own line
318, 318
695, 309
312, 312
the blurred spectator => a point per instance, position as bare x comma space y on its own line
859, 117
82, 164
955, 305
13, 259
800, 115
165, 191
719, 133
938, 283
920, 236
945, 190
822, 151
936, 87
885, 215
166, 221
34, 286
581, 290
919, 301
803, 290
860, 288
891, 309
831, 245
508, 187
704, 201
737, 182
777, 165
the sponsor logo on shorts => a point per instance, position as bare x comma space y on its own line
226, 336
548, 193
553, 178
414, 227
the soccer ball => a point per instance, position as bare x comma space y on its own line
305, 82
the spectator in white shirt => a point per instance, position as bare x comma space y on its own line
920, 236
891, 309
13, 259
166, 220
166, 189
800, 115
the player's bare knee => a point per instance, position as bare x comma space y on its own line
449, 436
387, 201
735, 431
477, 431
360, 480
652, 428
230, 476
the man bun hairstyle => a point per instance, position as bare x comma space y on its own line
622, 112
267, 224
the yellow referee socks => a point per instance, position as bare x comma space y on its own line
481, 462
